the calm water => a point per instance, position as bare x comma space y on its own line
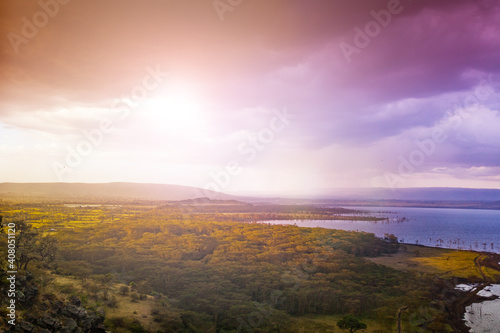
484, 316
468, 229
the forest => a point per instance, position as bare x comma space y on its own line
207, 266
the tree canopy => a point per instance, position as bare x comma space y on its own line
351, 323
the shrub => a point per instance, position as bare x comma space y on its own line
112, 302
134, 297
124, 290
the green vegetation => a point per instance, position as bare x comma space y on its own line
351, 323
193, 268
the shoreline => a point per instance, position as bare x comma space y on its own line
276, 222
455, 300
459, 300
449, 248
467, 299
418, 205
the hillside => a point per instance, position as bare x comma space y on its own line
416, 194
88, 191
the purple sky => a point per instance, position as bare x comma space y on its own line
412, 100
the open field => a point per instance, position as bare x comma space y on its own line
51, 217
444, 263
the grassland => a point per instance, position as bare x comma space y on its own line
444, 263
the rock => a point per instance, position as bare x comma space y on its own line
74, 311
100, 312
58, 306
69, 325
28, 316
93, 324
45, 306
27, 294
75, 301
25, 326
49, 322
20, 296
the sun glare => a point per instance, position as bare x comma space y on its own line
178, 109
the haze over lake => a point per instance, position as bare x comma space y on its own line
468, 229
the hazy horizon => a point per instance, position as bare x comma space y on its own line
137, 190
277, 98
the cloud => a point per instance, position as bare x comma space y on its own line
352, 121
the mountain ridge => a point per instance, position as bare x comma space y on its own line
114, 190
170, 192
415, 194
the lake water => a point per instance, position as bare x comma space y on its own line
467, 229
484, 316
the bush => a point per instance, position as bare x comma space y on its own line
134, 297
124, 290
133, 325
66, 288
112, 302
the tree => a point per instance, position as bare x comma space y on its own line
47, 248
393, 244
32, 246
351, 323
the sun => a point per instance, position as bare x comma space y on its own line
177, 109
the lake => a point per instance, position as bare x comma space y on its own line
466, 229
483, 316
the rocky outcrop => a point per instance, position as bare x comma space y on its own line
60, 317
77, 320
26, 291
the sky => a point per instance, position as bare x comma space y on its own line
252, 96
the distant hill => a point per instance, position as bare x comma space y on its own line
416, 194
99, 191
491, 205
409, 197
203, 201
